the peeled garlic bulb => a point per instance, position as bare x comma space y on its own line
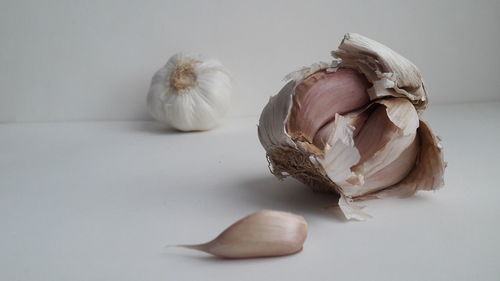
190, 93
265, 233
354, 127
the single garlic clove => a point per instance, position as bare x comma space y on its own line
429, 170
322, 95
340, 152
388, 145
266, 233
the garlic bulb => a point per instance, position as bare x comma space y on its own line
190, 93
265, 233
354, 127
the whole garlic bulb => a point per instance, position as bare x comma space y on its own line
353, 127
190, 93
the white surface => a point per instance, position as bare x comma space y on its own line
98, 201
93, 60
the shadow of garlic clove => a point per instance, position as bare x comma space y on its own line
266, 233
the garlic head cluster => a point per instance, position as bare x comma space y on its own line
190, 93
354, 127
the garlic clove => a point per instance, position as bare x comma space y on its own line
390, 73
341, 153
383, 146
266, 233
394, 171
401, 113
428, 172
356, 120
271, 128
322, 95
375, 134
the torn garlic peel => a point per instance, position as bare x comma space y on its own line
353, 127
266, 233
190, 93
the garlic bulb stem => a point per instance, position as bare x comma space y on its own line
184, 76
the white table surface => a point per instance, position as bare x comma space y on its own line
99, 200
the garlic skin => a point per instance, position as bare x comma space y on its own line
190, 93
354, 127
266, 233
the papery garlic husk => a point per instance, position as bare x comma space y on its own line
190, 93
266, 233
354, 127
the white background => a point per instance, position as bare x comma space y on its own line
99, 200
93, 60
